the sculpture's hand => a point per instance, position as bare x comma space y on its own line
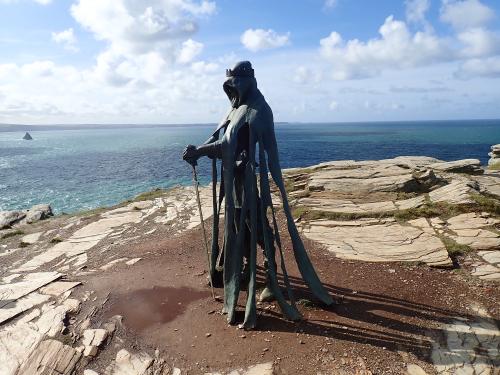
191, 154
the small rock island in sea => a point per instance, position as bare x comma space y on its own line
409, 247
28, 137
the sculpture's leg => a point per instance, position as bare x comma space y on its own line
245, 274
266, 295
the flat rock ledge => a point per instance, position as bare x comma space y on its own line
471, 346
369, 210
373, 240
35, 304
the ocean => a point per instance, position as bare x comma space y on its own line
82, 169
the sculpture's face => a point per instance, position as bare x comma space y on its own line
237, 89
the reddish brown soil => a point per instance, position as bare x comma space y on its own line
387, 316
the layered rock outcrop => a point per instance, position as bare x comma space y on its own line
406, 209
32, 215
494, 161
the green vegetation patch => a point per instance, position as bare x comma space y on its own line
94, 211
453, 247
444, 210
292, 186
428, 210
149, 195
403, 195
308, 214
306, 303
486, 203
12, 234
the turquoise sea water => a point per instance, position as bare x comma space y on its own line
87, 168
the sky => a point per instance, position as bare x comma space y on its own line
164, 61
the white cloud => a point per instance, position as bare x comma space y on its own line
154, 32
142, 74
154, 94
305, 75
463, 14
190, 49
66, 38
42, 68
330, 4
333, 105
479, 42
136, 26
416, 10
260, 39
43, 2
202, 67
488, 67
301, 75
396, 48
399, 48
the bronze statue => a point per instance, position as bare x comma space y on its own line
248, 202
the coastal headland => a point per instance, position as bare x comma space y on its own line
409, 247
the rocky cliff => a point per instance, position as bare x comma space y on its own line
409, 247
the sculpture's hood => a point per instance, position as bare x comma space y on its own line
240, 83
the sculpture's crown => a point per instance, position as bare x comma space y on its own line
241, 69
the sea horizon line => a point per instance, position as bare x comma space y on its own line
8, 127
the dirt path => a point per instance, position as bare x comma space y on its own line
389, 315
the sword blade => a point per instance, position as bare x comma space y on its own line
202, 222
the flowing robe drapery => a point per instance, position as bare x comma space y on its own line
249, 205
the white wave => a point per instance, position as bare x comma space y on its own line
4, 163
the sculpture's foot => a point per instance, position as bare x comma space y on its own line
267, 295
246, 327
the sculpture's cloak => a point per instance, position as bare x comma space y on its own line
254, 203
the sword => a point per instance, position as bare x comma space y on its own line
205, 241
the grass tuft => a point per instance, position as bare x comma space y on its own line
12, 234
486, 203
94, 211
56, 240
306, 303
428, 210
148, 195
23, 244
453, 247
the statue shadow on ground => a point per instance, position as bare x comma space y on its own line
379, 320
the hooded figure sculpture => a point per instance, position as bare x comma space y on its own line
248, 202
